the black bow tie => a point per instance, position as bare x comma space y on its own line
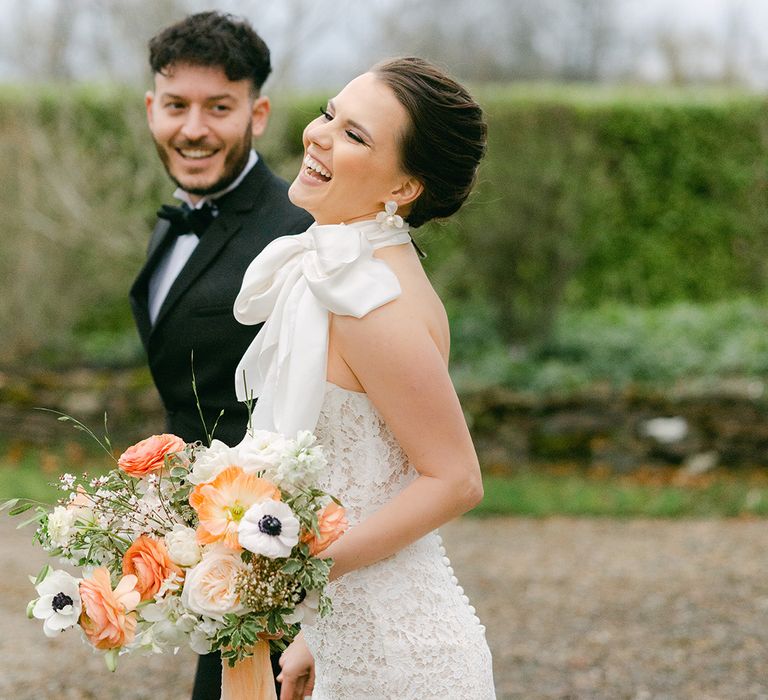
186, 220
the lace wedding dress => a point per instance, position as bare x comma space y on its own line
401, 628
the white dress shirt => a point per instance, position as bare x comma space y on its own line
174, 259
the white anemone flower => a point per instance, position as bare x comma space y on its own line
306, 611
269, 528
59, 603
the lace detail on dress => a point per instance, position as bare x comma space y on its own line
401, 628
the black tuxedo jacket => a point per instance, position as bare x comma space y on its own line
196, 316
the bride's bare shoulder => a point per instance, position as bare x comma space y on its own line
418, 308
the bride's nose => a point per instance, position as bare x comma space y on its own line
318, 134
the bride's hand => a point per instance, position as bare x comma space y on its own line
298, 671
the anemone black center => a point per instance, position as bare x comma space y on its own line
60, 601
270, 525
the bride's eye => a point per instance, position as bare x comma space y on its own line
325, 114
355, 137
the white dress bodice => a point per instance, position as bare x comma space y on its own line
401, 628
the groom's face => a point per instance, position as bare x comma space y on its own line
203, 125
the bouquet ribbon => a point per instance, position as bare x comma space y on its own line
249, 679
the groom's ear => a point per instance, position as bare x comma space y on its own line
149, 99
408, 192
260, 115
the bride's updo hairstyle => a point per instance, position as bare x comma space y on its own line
445, 138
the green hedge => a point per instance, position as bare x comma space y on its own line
586, 196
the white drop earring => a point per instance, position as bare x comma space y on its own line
388, 217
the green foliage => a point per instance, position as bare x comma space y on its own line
587, 196
623, 344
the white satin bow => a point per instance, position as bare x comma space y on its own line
292, 286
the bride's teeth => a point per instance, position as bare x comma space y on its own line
312, 164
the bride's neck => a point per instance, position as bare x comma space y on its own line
322, 221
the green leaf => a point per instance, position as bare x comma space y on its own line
110, 658
22, 508
9, 504
43, 573
36, 517
291, 566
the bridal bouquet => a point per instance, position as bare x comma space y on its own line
212, 547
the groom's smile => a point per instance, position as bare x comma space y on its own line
203, 124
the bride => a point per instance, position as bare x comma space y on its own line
355, 347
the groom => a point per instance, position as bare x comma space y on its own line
204, 111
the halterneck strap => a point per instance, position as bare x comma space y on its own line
292, 286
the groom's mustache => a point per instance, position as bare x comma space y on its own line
195, 144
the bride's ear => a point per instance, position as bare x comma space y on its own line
408, 192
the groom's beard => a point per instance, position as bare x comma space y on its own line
234, 162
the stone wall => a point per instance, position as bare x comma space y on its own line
696, 428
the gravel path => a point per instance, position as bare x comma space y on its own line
574, 609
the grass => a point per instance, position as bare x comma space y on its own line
536, 492
27, 472
661, 493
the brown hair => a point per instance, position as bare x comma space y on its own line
445, 139
216, 40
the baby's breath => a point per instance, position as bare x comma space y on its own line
263, 585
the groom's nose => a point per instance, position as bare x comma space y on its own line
195, 126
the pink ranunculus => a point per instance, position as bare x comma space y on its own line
149, 455
331, 524
149, 562
108, 619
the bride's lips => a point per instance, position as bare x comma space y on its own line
314, 172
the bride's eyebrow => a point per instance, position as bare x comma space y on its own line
353, 123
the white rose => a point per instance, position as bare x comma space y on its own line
60, 524
209, 587
211, 461
182, 546
260, 450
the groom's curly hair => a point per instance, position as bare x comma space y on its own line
216, 40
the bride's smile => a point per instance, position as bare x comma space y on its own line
351, 164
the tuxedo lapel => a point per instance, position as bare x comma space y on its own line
235, 208
139, 294
215, 238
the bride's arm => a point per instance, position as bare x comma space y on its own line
396, 360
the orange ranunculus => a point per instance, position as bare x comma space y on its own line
331, 524
107, 618
149, 454
221, 504
149, 562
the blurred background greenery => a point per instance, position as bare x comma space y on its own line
615, 245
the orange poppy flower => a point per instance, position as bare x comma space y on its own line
221, 504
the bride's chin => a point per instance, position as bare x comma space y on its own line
296, 195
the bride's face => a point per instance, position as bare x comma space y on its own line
351, 163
